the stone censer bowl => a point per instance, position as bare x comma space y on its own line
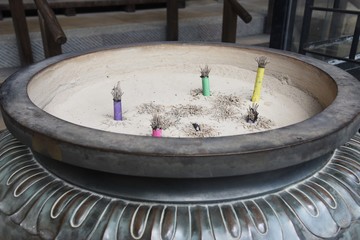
67, 181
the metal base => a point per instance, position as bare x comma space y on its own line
35, 204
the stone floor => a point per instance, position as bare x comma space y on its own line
200, 20
193, 9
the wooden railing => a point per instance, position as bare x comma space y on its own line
21, 32
53, 36
232, 9
172, 20
51, 32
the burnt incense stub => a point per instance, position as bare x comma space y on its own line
262, 61
196, 127
252, 113
205, 71
117, 92
159, 122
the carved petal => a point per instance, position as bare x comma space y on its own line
48, 207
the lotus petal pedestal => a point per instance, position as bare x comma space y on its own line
36, 204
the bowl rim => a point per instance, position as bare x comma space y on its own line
333, 126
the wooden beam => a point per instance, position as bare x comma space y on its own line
231, 10
51, 22
172, 20
229, 24
21, 31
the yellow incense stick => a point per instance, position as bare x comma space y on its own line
262, 61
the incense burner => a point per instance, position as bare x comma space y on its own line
66, 181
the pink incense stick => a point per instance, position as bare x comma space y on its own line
157, 132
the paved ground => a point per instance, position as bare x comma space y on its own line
201, 20
193, 9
